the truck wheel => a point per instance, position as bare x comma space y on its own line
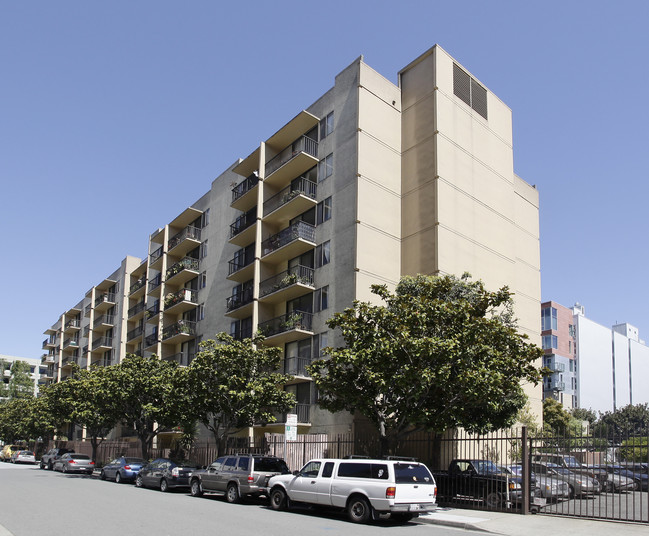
492, 499
232, 493
359, 510
278, 499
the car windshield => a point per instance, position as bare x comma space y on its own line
79, 457
273, 465
485, 467
412, 472
572, 462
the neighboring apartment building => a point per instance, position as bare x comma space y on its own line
373, 181
558, 340
36, 369
613, 364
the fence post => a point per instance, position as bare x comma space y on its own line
525, 460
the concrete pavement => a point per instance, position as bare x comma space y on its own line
510, 524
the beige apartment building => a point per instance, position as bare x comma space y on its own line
373, 181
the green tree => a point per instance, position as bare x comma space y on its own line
583, 414
21, 383
234, 384
630, 420
442, 352
555, 417
147, 396
634, 449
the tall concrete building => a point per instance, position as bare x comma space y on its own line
371, 182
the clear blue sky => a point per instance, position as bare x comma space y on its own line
115, 116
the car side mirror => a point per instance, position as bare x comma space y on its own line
296, 473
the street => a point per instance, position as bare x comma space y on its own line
33, 501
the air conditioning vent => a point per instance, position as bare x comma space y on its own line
469, 90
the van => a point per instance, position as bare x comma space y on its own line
364, 488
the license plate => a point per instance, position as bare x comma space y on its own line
415, 507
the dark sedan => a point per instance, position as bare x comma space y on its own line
122, 469
165, 474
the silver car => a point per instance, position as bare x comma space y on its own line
578, 484
545, 485
74, 463
23, 456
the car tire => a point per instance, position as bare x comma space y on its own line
278, 499
102, 475
232, 493
64, 469
164, 485
572, 493
50, 466
492, 499
359, 510
118, 478
195, 488
139, 483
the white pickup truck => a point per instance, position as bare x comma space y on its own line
364, 488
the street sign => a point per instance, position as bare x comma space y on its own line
290, 433
291, 419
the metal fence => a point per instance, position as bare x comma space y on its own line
586, 475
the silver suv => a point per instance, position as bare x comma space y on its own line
237, 475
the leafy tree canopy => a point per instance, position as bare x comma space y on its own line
630, 420
442, 352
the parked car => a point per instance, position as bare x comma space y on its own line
23, 456
636, 471
74, 463
122, 469
578, 484
7, 451
48, 459
545, 486
364, 488
165, 474
621, 479
573, 465
237, 476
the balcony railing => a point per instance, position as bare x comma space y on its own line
184, 327
49, 342
102, 341
153, 310
243, 222
296, 366
296, 320
300, 230
244, 186
155, 255
137, 332
104, 319
87, 310
155, 282
239, 300
74, 323
558, 367
182, 359
297, 274
301, 145
137, 308
303, 412
184, 294
74, 343
190, 232
302, 187
239, 262
187, 263
138, 284
108, 297
557, 386
150, 340
241, 334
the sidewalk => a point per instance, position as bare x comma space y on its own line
530, 525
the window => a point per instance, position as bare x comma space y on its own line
323, 211
203, 252
201, 312
325, 167
549, 341
548, 318
205, 218
323, 254
328, 470
321, 299
327, 125
202, 281
320, 342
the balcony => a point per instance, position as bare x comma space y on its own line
154, 285
240, 305
103, 322
48, 358
104, 301
102, 343
178, 332
241, 268
151, 340
49, 343
152, 312
303, 412
241, 334
87, 310
558, 367
136, 311
287, 328
155, 259
72, 325
290, 202
182, 271
242, 231
182, 359
289, 243
135, 333
287, 285
291, 162
244, 194
183, 300
184, 241
556, 386
70, 343
296, 366
137, 286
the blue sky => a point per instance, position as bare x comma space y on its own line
115, 116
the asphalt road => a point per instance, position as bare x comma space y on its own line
37, 502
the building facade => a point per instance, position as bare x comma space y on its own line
37, 370
372, 182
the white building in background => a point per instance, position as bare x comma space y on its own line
35, 367
612, 364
